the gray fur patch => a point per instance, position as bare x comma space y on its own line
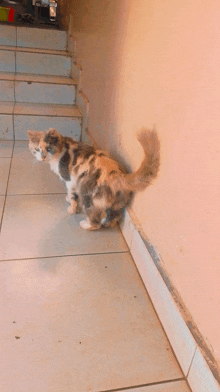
64, 166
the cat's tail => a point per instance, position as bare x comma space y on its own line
149, 168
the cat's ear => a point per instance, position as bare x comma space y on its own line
52, 137
34, 136
52, 132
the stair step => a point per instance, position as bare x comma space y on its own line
35, 61
7, 35
16, 119
37, 89
33, 37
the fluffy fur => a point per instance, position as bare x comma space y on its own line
95, 182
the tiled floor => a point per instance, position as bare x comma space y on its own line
75, 316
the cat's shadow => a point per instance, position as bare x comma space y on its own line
67, 238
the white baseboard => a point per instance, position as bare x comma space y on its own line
185, 347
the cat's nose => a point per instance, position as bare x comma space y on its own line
43, 156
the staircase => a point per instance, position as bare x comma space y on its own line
36, 88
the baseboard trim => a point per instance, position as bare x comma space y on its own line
196, 363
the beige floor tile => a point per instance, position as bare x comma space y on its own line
176, 386
40, 226
28, 176
79, 324
6, 147
4, 170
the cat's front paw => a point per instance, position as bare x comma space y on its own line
68, 199
87, 226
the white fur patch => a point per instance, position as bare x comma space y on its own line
54, 165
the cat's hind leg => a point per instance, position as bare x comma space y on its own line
73, 207
112, 217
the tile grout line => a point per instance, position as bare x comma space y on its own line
9, 172
16, 36
143, 385
74, 116
70, 255
187, 375
13, 111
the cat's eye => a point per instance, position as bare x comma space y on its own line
49, 149
37, 149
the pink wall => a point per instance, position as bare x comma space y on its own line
157, 62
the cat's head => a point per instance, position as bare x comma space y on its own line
45, 144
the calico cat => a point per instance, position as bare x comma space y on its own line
95, 182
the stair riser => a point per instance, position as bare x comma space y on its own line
68, 126
7, 35
44, 93
7, 61
35, 63
37, 92
33, 38
43, 64
6, 90
41, 38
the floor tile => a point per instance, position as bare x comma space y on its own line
28, 176
176, 386
41, 63
68, 126
79, 324
41, 38
4, 170
6, 131
42, 227
6, 147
